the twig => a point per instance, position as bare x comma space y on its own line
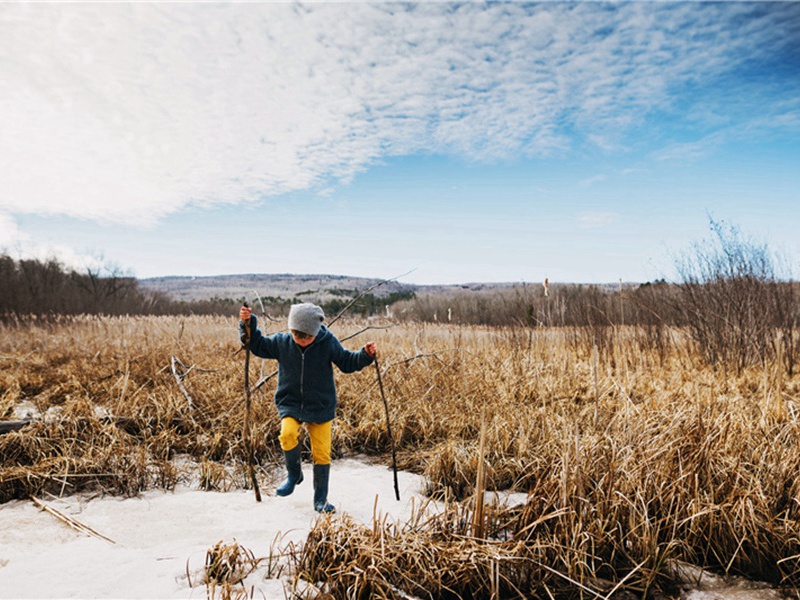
180, 381
199, 370
388, 430
69, 521
428, 355
572, 581
364, 293
9, 426
407, 360
622, 581
250, 457
352, 335
264, 312
264, 380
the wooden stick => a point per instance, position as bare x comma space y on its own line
69, 521
9, 426
264, 380
362, 294
180, 382
388, 429
250, 457
352, 335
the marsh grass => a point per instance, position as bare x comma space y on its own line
633, 452
226, 567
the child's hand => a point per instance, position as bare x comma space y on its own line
371, 349
244, 314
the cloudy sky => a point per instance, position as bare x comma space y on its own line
468, 142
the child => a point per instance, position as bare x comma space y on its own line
306, 392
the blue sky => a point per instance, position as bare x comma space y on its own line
467, 142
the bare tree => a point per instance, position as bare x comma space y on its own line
735, 303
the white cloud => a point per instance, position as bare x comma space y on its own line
128, 112
21, 245
10, 235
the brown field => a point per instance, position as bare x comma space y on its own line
634, 453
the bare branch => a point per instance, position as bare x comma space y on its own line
264, 380
364, 293
69, 521
427, 355
264, 312
352, 335
179, 379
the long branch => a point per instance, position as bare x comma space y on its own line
359, 332
179, 380
364, 293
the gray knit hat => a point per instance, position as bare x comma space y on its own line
306, 317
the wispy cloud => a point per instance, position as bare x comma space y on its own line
775, 117
128, 112
590, 181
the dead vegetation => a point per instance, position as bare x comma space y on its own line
634, 452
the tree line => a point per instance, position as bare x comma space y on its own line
733, 296
47, 287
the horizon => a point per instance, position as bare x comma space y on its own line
395, 280
506, 142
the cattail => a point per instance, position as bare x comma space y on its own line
546, 287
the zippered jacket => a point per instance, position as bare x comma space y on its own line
306, 390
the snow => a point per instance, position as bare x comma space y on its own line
159, 536
700, 584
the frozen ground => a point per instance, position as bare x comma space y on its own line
157, 534
161, 539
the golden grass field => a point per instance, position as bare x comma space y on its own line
634, 454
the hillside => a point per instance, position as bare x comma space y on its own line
316, 288
250, 286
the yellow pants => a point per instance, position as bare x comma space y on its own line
320, 434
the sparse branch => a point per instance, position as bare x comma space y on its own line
364, 293
70, 521
264, 380
179, 379
360, 331
426, 355
264, 312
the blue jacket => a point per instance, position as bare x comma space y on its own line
306, 389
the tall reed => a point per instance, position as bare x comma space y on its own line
632, 454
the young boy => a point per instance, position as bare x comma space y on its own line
306, 392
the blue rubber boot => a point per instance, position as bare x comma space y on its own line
294, 470
321, 475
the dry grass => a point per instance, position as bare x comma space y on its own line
226, 567
633, 452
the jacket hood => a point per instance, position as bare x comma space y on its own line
321, 336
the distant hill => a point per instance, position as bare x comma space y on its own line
250, 286
314, 288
